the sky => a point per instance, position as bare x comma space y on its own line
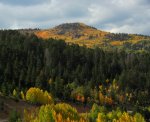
118, 16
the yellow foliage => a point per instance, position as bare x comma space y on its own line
107, 81
89, 37
101, 87
100, 118
105, 99
35, 95
101, 98
125, 118
22, 95
65, 113
30, 115
54, 113
116, 43
15, 93
139, 118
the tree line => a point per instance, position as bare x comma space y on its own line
27, 61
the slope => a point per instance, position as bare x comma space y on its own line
82, 34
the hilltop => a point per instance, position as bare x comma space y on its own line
83, 34
78, 33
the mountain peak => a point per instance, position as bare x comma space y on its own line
70, 32
73, 30
73, 26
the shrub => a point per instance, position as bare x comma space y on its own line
37, 96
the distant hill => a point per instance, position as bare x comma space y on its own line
78, 33
82, 34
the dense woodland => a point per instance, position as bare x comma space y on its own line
74, 73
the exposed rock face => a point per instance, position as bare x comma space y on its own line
73, 26
74, 29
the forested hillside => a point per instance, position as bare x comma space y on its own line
72, 73
84, 35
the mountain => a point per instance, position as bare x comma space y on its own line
82, 34
75, 33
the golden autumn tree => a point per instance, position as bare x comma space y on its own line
22, 95
15, 94
36, 95
54, 113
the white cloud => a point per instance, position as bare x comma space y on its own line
116, 15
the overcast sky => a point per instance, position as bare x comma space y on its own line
128, 16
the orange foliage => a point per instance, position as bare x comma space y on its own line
121, 98
116, 43
85, 35
78, 97
82, 99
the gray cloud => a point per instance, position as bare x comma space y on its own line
23, 2
130, 16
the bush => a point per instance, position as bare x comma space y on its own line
55, 113
15, 95
66, 111
37, 96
